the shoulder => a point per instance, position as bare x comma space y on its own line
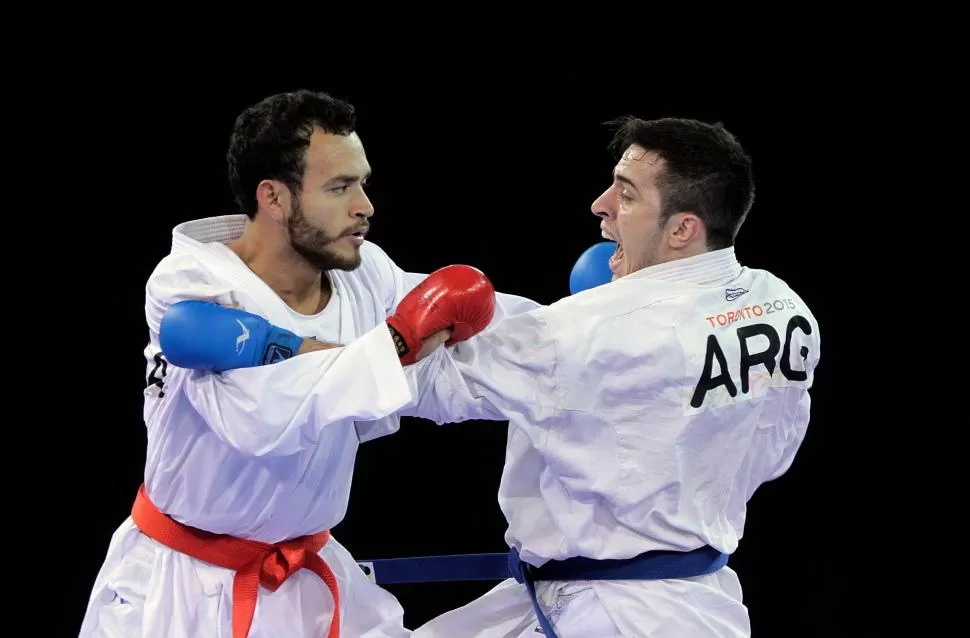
177, 265
777, 291
605, 306
182, 270
630, 322
181, 276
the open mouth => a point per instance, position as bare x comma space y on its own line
616, 258
617, 255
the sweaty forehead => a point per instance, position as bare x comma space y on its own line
639, 164
329, 155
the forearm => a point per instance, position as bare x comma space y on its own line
260, 364
440, 392
508, 372
280, 409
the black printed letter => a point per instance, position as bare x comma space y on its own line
766, 357
707, 382
794, 375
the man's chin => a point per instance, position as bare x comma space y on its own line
343, 261
346, 260
346, 266
338, 262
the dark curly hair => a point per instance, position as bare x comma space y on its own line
270, 138
705, 171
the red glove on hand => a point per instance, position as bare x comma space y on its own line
460, 298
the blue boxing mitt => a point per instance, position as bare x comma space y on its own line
592, 269
201, 335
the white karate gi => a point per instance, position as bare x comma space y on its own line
263, 453
612, 449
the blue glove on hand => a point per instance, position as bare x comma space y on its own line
201, 335
592, 268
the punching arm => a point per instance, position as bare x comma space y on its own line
205, 336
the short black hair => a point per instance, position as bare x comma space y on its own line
706, 171
270, 138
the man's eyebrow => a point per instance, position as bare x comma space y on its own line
626, 180
345, 178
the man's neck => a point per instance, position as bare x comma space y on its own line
303, 287
691, 250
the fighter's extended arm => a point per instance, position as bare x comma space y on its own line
281, 409
509, 372
206, 336
278, 409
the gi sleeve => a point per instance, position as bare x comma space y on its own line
277, 409
510, 371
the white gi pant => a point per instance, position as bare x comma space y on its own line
188, 598
703, 607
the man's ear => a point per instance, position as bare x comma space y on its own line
274, 199
684, 229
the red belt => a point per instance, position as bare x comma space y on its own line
255, 563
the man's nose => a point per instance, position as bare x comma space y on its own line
601, 207
365, 209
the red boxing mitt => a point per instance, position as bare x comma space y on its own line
459, 298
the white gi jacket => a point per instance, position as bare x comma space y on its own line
643, 415
264, 453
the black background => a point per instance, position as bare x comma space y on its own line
487, 148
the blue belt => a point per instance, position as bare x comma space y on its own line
499, 566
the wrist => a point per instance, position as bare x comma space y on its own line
312, 345
281, 344
403, 339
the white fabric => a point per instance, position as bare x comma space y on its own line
263, 453
146, 589
608, 458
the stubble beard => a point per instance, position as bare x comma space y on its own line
316, 246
